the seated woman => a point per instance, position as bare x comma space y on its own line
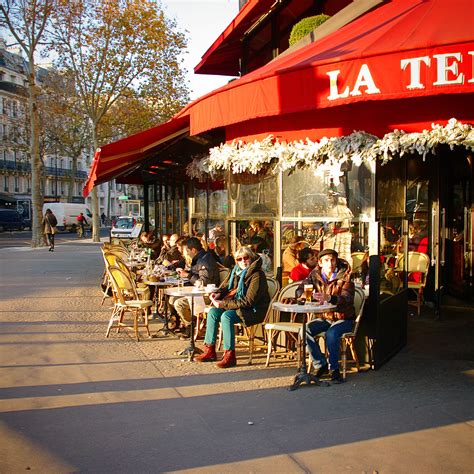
242, 298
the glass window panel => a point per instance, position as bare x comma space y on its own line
338, 235
218, 203
339, 193
391, 248
391, 181
255, 195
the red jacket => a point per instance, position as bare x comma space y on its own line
300, 272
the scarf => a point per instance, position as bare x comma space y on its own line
241, 289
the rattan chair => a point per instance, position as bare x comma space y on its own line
273, 327
127, 301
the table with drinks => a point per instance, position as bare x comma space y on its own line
304, 306
190, 292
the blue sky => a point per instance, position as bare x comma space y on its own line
205, 20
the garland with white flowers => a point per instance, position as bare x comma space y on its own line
252, 157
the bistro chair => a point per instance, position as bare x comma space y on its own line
418, 267
127, 301
274, 327
357, 260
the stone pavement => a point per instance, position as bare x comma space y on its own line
73, 401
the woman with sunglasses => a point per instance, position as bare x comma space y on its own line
242, 298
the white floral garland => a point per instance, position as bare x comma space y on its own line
252, 157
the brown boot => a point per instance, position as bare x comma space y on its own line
209, 354
229, 360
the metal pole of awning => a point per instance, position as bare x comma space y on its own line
206, 223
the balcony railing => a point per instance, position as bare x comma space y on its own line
21, 166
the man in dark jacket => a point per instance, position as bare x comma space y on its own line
332, 284
203, 268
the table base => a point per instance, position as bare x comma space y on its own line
190, 352
304, 377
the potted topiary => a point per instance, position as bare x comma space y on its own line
306, 26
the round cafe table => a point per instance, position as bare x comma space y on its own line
164, 319
191, 292
302, 375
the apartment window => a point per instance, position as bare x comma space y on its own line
5, 184
16, 184
12, 78
1, 103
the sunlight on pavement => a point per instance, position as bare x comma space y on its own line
20, 451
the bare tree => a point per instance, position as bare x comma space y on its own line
27, 20
65, 127
115, 48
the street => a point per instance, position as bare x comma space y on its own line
74, 401
23, 238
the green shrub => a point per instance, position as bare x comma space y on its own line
305, 26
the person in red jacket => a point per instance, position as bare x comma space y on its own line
308, 259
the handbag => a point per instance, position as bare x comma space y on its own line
231, 294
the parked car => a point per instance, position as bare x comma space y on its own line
126, 227
10, 219
66, 213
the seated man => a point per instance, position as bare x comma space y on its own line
331, 280
308, 259
203, 267
173, 255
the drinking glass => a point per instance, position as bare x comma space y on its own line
308, 290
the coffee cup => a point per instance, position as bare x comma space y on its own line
210, 287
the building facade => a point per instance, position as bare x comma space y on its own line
15, 166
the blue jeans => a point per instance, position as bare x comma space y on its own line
334, 331
227, 318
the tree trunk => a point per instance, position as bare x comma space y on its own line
72, 178
37, 239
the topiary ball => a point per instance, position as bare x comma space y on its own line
306, 26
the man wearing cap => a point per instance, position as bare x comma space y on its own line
331, 280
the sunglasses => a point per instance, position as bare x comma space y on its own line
239, 259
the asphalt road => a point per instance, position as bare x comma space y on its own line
23, 239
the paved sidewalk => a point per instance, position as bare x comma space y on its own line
73, 401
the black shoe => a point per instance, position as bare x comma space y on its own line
336, 376
323, 370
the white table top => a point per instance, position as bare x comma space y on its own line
304, 308
185, 291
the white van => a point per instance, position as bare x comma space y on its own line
66, 213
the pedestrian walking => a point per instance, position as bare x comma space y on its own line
49, 228
82, 222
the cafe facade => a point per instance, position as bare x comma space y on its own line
360, 141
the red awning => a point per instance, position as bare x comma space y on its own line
403, 50
115, 159
223, 56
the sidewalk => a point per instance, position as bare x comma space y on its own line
73, 401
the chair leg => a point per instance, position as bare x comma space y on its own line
350, 342
146, 322
251, 336
269, 346
135, 324
344, 358
419, 300
112, 319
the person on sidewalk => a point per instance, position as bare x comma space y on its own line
331, 280
49, 228
242, 298
203, 268
308, 259
82, 222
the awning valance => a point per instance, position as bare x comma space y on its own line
123, 156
